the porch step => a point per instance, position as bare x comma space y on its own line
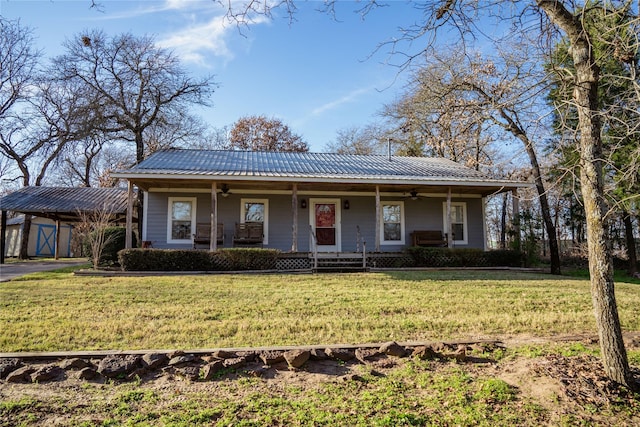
339, 262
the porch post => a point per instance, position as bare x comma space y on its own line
294, 213
56, 250
516, 218
485, 243
449, 226
213, 234
129, 221
377, 218
3, 235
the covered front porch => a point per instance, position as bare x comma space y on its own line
300, 217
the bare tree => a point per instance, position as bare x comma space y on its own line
92, 231
134, 84
367, 140
258, 133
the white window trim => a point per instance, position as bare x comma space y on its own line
265, 225
194, 208
445, 221
402, 223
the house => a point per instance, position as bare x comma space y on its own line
54, 210
307, 202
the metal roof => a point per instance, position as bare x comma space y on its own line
64, 201
320, 167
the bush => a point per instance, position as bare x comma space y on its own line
114, 238
236, 259
462, 257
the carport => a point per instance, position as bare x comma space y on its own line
65, 204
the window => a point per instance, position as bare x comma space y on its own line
256, 210
392, 223
182, 219
458, 222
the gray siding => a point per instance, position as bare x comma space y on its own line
422, 214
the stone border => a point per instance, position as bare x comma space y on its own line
206, 365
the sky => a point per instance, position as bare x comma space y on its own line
317, 74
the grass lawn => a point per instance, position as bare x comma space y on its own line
59, 311
514, 386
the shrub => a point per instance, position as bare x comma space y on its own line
463, 257
237, 259
114, 241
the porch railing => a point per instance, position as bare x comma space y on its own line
359, 241
314, 241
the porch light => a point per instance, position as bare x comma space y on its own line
303, 204
346, 204
225, 190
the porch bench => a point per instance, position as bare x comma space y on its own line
432, 238
248, 234
203, 234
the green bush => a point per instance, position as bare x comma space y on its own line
237, 259
462, 257
115, 241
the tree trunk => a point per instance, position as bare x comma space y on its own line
554, 251
631, 243
24, 241
585, 95
503, 222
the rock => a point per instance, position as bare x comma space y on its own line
209, 370
87, 373
46, 373
223, 354
366, 355
296, 358
424, 352
439, 347
175, 353
340, 354
118, 366
271, 357
182, 360
317, 354
461, 353
192, 373
258, 371
153, 361
393, 349
136, 374
249, 356
74, 363
20, 375
9, 365
235, 363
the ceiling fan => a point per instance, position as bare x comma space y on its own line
224, 190
413, 195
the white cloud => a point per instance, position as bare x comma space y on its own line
197, 41
350, 97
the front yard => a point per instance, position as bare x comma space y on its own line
537, 379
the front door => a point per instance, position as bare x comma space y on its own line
325, 220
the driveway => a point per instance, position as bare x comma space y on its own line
16, 269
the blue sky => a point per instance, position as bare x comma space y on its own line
317, 74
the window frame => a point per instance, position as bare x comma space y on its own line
265, 224
194, 207
383, 241
465, 221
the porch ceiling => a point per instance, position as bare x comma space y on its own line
483, 189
